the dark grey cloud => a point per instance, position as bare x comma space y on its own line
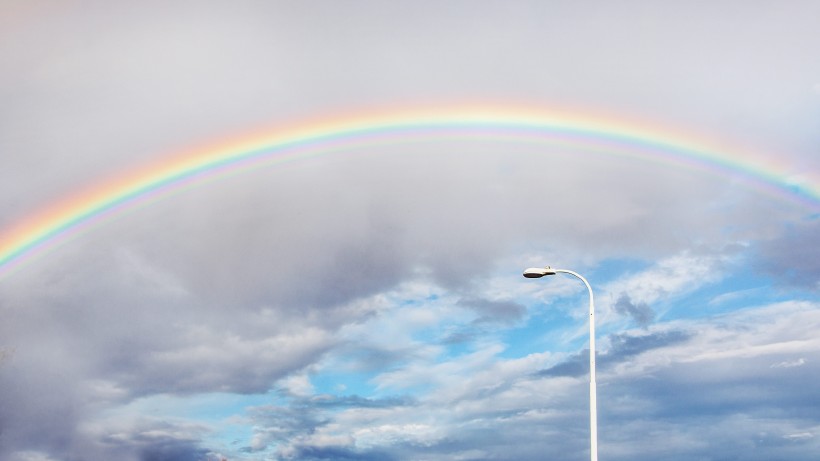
281, 426
715, 398
40, 410
492, 311
756, 407
355, 401
730, 386
461, 337
173, 450
577, 365
312, 453
794, 256
622, 347
640, 313
128, 336
156, 441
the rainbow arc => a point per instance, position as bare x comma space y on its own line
55, 223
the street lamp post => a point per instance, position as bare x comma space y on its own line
538, 272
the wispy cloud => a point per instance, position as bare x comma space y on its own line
790, 363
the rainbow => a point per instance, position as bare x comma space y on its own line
63, 219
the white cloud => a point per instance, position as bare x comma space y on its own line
669, 277
389, 434
733, 296
297, 385
790, 363
799, 436
780, 330
29, 455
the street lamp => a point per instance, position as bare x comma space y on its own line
538, 272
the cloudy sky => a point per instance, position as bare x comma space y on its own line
366, 303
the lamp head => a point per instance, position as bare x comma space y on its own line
538, 272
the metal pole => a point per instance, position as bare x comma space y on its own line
593, 397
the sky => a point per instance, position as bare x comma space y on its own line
362, 298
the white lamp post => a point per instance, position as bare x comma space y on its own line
538, 272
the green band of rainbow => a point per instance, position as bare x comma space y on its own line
43, 230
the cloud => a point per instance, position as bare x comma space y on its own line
799, 436
793, 257
6, 355
312, 453
144, 439
490, 311
297, 428
153, 440
43, 391
30, 455
621, 347
362, 402
790, 363
640, 313
671, 276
